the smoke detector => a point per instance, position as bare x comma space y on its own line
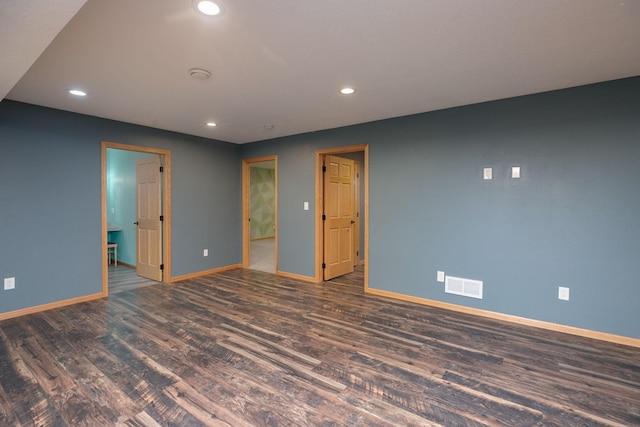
199, 73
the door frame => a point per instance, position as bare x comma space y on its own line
319, 249
166, 203
246, 208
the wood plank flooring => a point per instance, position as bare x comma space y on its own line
247, 348
124, 278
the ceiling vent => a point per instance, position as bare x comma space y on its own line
199, 73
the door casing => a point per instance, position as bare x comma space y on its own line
319, 202
166, 200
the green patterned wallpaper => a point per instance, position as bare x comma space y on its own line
262, 203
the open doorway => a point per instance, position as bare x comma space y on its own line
136, 216
353, 243
260, 214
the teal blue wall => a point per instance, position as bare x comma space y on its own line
573, 219
50, 217
121, 200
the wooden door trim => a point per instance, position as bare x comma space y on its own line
246, 208
319, 203
166, 201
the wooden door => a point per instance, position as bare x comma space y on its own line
148, 218
338, 216
356, 203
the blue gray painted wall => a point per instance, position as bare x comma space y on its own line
572, 219
50, 209
296, 185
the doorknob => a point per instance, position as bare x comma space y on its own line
353, 222
135, 223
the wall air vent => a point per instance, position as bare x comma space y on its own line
464, 287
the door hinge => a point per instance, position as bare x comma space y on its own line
161, 217
324, 168
324, 217
162, 267
324, 265
357, 214
161, 169
357, 253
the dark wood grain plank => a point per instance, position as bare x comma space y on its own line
248, 348
28, 403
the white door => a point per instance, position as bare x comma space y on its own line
148, 218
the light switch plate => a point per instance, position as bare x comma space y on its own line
440, 276
563, 293
487, 174
205, 252
305, 206
9, 283
515, 172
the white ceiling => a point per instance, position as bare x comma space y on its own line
282, 62
26, 29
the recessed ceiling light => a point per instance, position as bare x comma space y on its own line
207, 7
347, 90
212, 124
77, 92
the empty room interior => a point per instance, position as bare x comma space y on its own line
356, 213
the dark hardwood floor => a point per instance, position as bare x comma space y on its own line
247, 348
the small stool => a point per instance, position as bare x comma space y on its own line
112, 248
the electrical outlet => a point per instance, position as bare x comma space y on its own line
440, 276
9, 283
563, 293
205, 252
487, 174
